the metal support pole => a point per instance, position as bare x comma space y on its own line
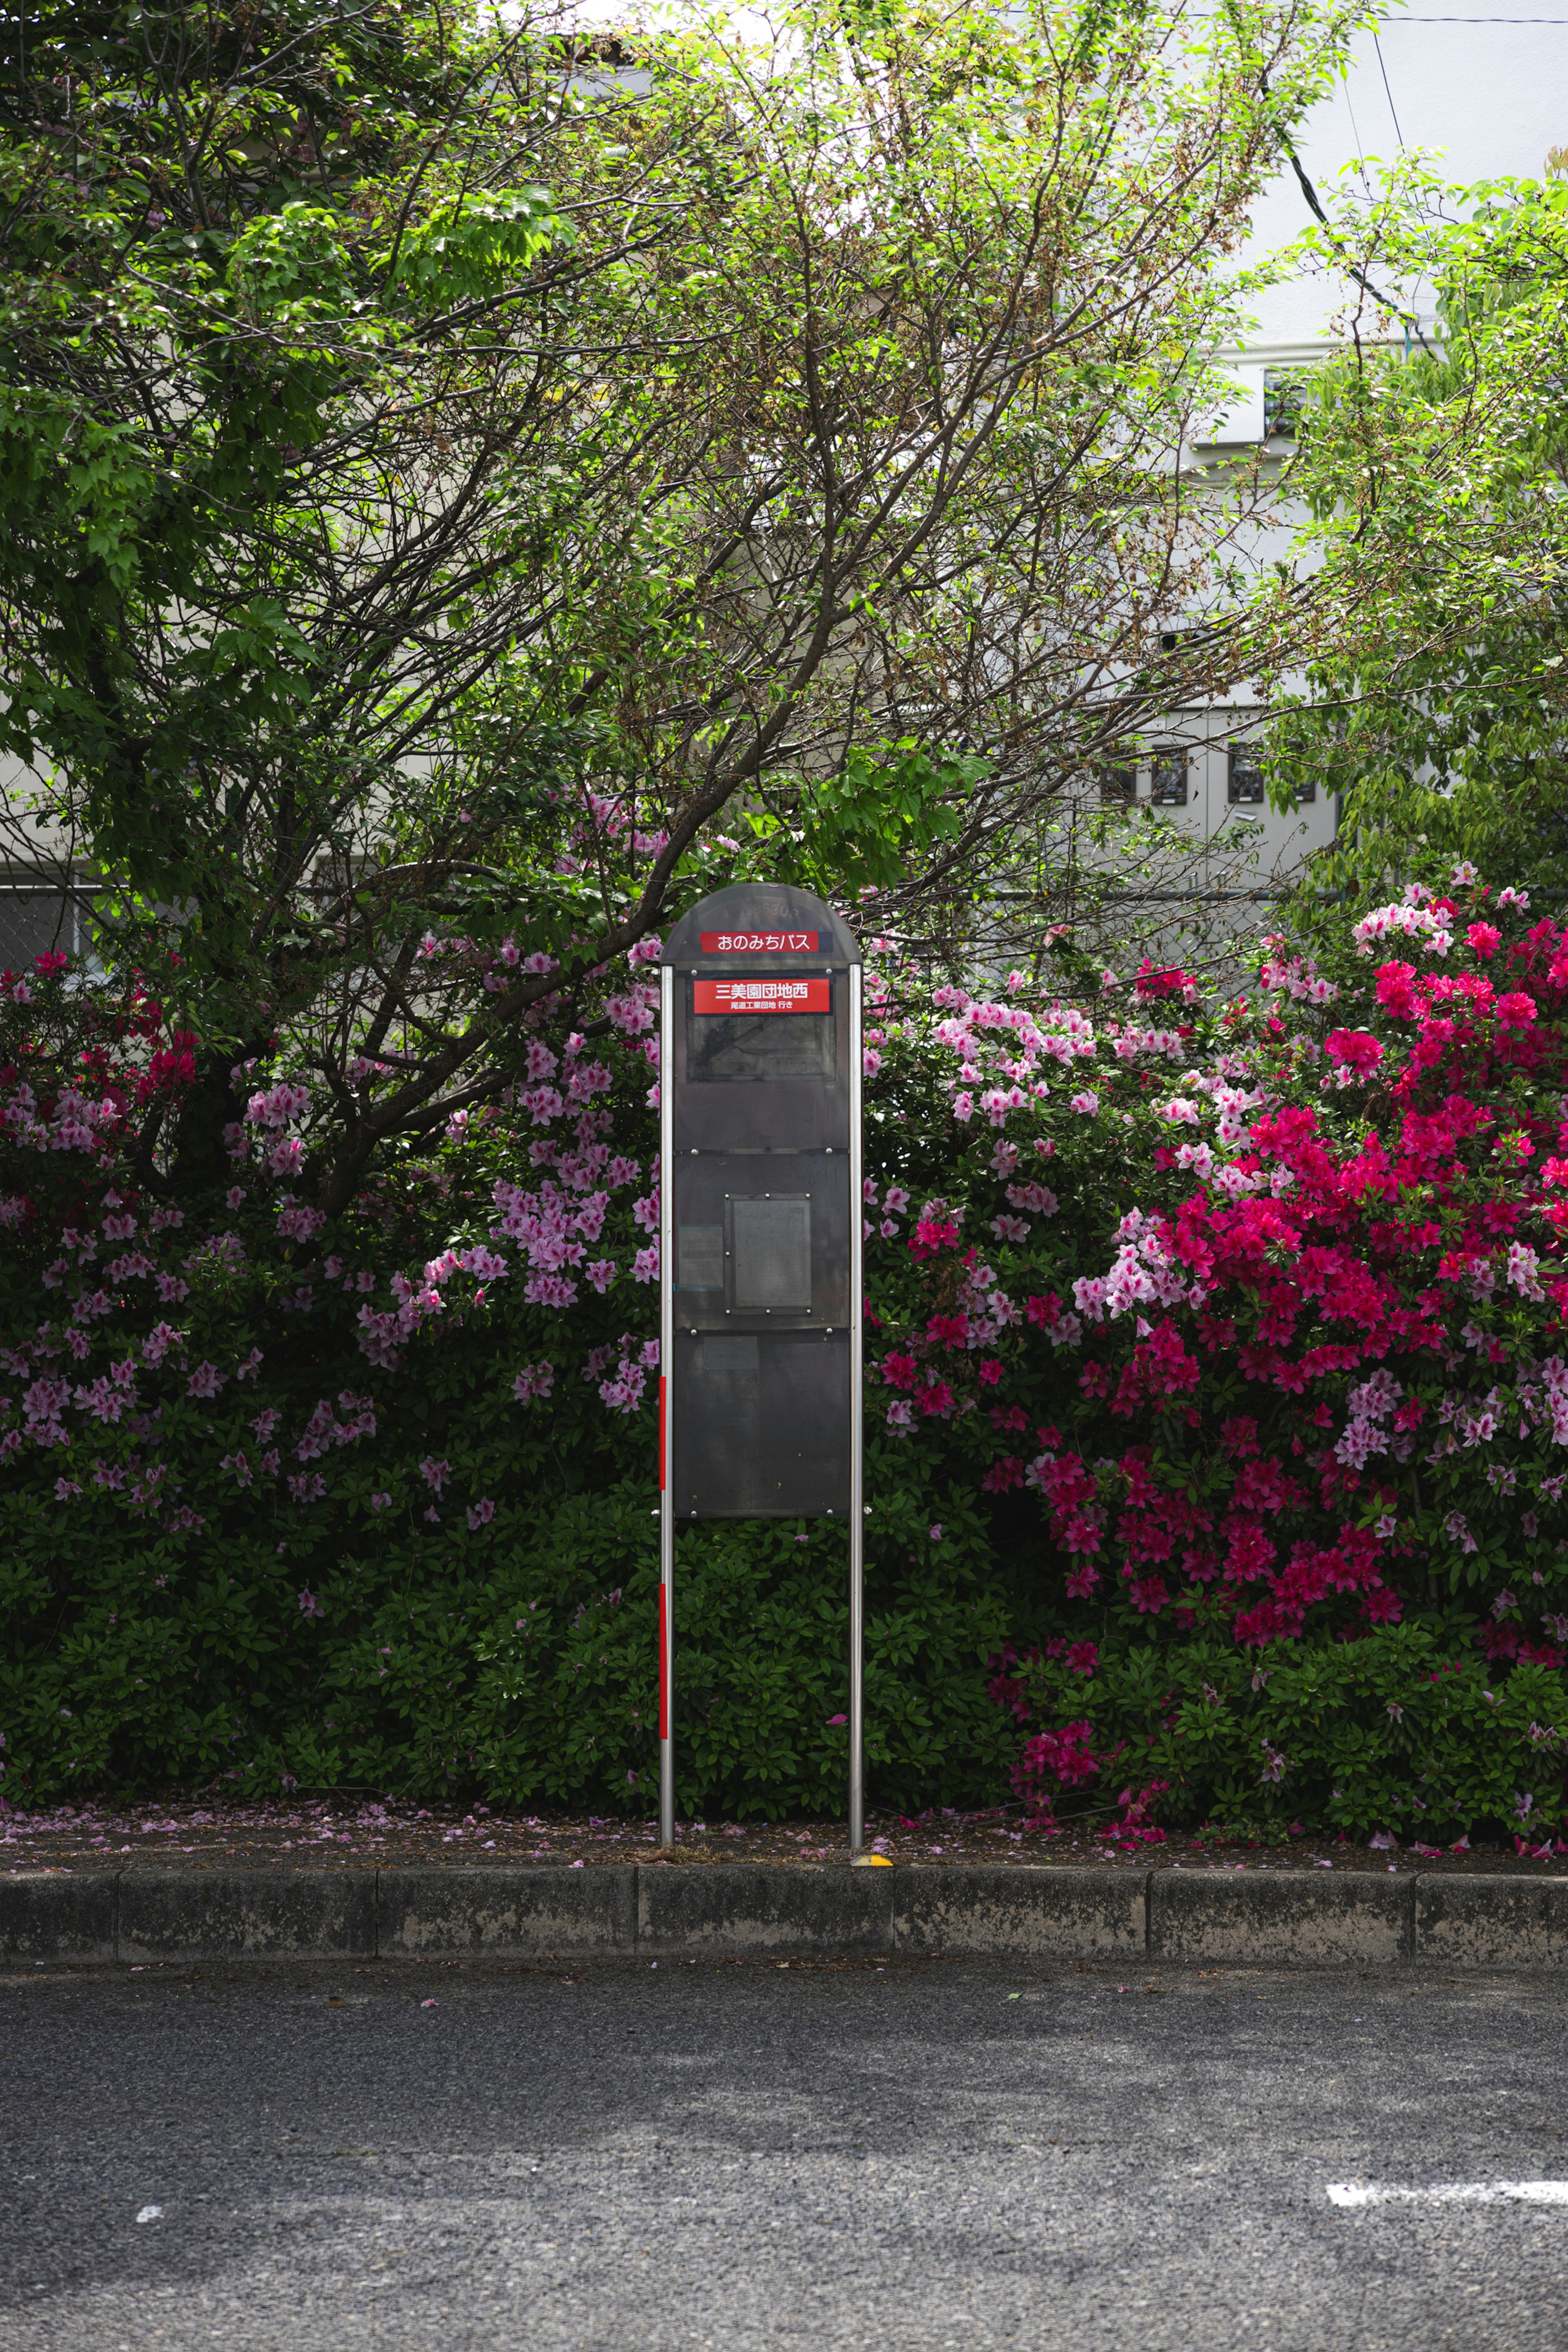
666, 1410
857, 1466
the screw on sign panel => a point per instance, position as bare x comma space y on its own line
760, 1262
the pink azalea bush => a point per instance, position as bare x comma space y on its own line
1261, 1307
1218, 1384
370, 1501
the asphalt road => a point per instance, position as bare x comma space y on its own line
927, 2155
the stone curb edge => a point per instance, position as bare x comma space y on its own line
1288, 1919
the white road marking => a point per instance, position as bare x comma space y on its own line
1457, 2192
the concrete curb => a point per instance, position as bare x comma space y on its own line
536, 1907
1019, 1913
1291, 1916
748, 1908
1286, 1918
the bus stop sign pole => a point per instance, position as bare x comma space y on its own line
761, 1247
666, 1425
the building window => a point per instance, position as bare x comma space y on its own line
1306, 791
1169, 779
1118, 786
36, 917
1284, 398
1245, 787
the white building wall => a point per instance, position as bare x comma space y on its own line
1482, 95
1485, 91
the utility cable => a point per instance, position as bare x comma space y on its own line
1382, 69
1407, 318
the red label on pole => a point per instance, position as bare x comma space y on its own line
759, 942
663, 1662
763, 996
661, 1433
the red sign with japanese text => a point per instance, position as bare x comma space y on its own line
763, 996
759, 942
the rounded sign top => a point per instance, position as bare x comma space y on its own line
756, 921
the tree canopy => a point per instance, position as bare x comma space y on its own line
449, 469
1435, 470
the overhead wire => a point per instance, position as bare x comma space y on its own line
1382, 69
